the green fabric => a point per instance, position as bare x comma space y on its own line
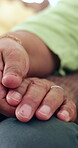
58, 27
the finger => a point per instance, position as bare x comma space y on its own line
3, 91
16, 64
34, 95
1, 64
68, 111
6, 109
50, 104
14, 96
1, 67
0, 77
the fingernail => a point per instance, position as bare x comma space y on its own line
45, 110
65, 114
13, 95
25, 111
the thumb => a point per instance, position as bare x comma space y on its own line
16, 66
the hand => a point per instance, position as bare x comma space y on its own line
35, 96
14, 65
5, 108
14, 62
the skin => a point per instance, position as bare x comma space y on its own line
29, 95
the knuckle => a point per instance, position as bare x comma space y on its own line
12, 68
23, 87
37, 82
25, 82
32, 99
43, 83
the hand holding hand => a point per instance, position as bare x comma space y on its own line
14, 65
37, 97
33, 95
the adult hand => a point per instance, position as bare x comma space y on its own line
5, 108
14, 65
14, 62
35, 96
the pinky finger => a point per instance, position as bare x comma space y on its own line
67, 112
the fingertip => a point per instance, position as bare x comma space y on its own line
24, 113
43, 113
11, 80
13, 98
41, 116
64, 115
21, 118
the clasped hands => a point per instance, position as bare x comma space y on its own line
23, 97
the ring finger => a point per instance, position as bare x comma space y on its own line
52, 101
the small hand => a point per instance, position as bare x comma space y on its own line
35, 96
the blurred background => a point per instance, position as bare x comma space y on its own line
13, 12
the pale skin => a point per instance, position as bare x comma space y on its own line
29, 95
